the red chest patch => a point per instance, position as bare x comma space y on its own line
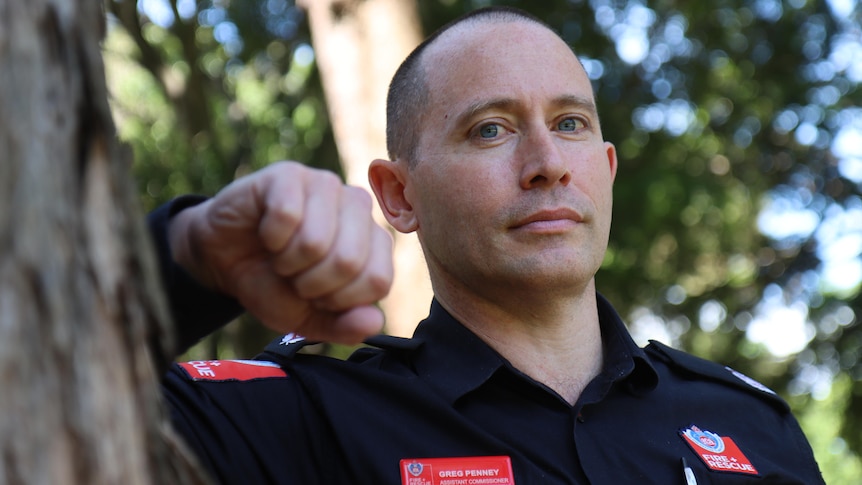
232, 370
719, 453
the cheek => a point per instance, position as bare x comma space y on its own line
455, 211
464, 191
445, 207
456, 185
596, 178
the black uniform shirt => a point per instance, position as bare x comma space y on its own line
445, 393
304, 419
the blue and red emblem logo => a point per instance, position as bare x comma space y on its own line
415, 468
707, 440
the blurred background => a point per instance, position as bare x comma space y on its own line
737, 229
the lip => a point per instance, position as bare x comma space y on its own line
550, 217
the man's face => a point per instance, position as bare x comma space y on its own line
512, 186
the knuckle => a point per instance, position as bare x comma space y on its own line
289, 216
327, 178
358, 196
379, 284
347, 265
311, 249
284, 166
383, 243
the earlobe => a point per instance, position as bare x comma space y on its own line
389, 182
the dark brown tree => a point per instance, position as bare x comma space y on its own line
80, 304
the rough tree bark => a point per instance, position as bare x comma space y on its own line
79, 297
358, 45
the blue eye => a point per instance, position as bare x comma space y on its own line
489, 131
569, 124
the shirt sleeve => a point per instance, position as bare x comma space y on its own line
260, 429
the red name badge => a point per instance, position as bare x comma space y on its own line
719, 453
468, 470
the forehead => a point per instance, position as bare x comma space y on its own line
510, 59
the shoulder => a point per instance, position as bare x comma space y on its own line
381, 352
693, 367
724, 400
385, 347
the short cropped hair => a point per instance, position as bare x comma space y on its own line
408, 92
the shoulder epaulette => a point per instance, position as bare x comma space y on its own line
384, 342
389, 342
714, 371
284, 348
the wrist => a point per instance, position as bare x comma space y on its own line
183, 235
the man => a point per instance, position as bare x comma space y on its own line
521, 373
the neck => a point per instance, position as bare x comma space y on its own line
555, 341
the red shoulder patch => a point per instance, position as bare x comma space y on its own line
232, 370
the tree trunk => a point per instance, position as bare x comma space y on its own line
79, 297
358, 45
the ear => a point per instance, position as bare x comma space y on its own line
611, 151
389, 181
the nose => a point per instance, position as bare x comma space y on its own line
544, 163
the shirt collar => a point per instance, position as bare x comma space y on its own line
456, 361
452, 358
624, 360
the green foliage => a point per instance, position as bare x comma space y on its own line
725, 115
824, 419
207, 92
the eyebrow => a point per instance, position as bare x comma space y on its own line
567, 100
483, 106
580, 102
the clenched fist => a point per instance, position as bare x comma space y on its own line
296, 247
